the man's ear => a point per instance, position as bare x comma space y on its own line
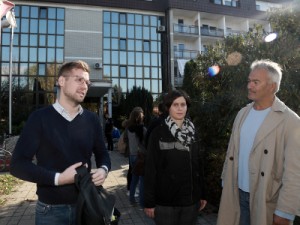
60, 81
274, 87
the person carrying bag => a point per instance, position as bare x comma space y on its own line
139, 165
95, 206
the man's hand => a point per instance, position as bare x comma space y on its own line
202, 204
68, 176
149, 212
99, 176
277, 220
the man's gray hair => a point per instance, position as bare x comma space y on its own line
274, 70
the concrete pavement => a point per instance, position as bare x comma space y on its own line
20, 205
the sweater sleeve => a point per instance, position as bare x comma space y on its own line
150, 171
288, 201
22, 165
101, 154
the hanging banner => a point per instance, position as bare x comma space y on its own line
5, 6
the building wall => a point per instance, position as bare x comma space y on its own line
84, 32
83, 37
155, 5
247, 8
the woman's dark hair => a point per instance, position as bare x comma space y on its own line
135, 122
174, 94
135, 117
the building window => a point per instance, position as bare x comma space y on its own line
181, 47
146, 46
37, 54
122, 44
132, 50
232, 3
123, 71
123, 18
43, 13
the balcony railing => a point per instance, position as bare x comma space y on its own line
185, 54
180, 28
234, 32
232, 3
212, 32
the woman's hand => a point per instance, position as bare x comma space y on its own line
202, 204
149, 212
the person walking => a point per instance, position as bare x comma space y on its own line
136, 132
108, 129
261, 174
61, 137
174, 186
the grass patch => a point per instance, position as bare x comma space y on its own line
7, 183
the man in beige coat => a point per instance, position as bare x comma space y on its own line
261, 174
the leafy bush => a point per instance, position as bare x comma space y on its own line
212, 168
138, 96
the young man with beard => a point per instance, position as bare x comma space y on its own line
62, 137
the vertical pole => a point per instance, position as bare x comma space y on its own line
109, 102
10, 80
0, 36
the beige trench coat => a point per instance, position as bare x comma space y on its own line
274, 167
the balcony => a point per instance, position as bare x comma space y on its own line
213, 32
183, 29
232, 3
185, 54
230, 32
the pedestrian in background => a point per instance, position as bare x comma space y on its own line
261, 174
156, 121
61, 137
126, 154
108, 130
174, 187
136, 132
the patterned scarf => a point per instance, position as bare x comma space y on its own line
185, 135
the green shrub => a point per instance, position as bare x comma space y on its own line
213, 166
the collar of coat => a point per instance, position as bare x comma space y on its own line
277, 106
271, 121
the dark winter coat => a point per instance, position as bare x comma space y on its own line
174, 175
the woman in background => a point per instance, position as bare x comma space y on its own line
136, 132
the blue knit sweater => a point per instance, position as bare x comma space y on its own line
57, 143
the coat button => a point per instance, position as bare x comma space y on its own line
262, 174
266, 151
231, 158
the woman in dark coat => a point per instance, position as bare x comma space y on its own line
173, 176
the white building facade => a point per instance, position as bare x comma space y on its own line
126, 43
